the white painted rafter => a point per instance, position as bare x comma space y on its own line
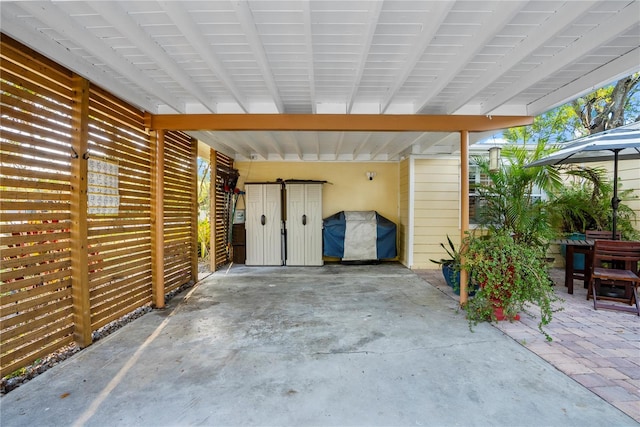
116, 16
393, 140
439, 13
308, 38
409, 145
215, 142
367, 40
355, 62
257, 148
316, 143
244, 139
291, 137
608, 29
251, 33
11, 25
51, 15
548, 30
503, 15
221, 140
268, 136
180, 16
339, 146
362, 145
436, 144
610, 72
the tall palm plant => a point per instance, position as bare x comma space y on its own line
585, 204
506, 195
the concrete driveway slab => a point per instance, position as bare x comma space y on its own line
338, 345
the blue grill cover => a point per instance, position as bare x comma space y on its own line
334, 232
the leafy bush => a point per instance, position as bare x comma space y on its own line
510, 275
508, 204
204, 233
586, 205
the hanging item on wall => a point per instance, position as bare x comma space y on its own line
103, 197
229, 178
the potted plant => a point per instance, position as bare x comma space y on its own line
451, 267
510, 275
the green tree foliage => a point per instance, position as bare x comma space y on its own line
602, 109
609, 107
204, 207
550, 127
585, 202
204, 184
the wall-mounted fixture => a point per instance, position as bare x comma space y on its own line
371, 175
494, 159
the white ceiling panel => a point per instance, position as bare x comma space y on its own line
324, 56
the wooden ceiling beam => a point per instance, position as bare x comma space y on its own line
334, 122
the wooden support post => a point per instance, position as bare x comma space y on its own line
157, 218
213, 164
194, 209
464, 207
79, 223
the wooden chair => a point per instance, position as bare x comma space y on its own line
600, 235
584, 274
607, 255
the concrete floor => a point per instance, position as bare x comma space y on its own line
335, 345
599, 349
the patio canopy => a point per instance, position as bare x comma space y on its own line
598, 147
622, 143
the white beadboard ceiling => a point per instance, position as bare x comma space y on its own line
344, 57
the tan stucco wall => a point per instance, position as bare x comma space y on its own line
347, 189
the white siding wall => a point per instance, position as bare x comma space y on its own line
436, 209
403, 214
629, 173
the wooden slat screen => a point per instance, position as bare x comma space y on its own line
223, 212
46, 286
36, 310
180, 209
120, 245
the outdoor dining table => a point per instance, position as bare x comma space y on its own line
576, 247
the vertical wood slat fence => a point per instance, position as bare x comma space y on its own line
36, 307
180, 216
221, 200
68, 270
119, 245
